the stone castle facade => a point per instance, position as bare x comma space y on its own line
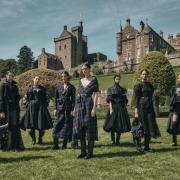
133, 44
71, 50
174, 41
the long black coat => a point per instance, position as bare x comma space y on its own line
144, 103
119, 120
37, 115
64, 102
174, 108
9, 104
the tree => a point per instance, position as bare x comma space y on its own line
161, 75
8, 65
25, 59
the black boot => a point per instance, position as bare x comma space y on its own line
83, 148
56, 144
64, 146
118, 135
146, 143
113, 138
12, 138
33, 136
137, 142
174, 139
40, 139
90, 150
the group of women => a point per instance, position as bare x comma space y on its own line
75, 116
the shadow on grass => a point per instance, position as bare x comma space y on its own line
161, 150
119, 154
39, 148
123, 144
24, 158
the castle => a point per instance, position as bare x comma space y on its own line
174, 41
71, 50
133, 44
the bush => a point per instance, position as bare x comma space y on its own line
96, 70
49, 78
161, 75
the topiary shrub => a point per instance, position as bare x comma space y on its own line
49, 78
97, 70
161, 75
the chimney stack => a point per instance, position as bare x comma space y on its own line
161, 34
43, 50
65, 28
128, 21
142, 25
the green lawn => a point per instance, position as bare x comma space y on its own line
106, 81
119, 162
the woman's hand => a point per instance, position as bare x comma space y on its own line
93, 113
72, 113
2, 115
136, 115
55, 113
111, 111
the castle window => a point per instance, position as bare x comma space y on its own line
65, 46
65, 57
59, 48
151, 38
142, 39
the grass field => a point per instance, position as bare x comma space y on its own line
118, 162
107, 80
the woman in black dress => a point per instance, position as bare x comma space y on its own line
37, 116
64, 103
85, 121
117, 119
144, 110
10, 113
173, 126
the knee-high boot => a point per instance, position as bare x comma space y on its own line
33, 136
146, 142
90, 149
118, 135
174, 139
113, 137
41, 134
83, 148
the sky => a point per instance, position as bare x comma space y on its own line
36, 23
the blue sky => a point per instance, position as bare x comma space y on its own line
36, 22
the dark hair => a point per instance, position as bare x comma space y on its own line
145, 71
9, 72
87, 65
117, 75
67, 74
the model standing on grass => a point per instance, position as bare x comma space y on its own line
174, 115
85, 121
10, 111
144, 110
64, 104
117, 120
37, 116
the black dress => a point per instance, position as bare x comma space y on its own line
83, 119
37, 115
174, 108
9, 104
119, 120
144, 103
64, 102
